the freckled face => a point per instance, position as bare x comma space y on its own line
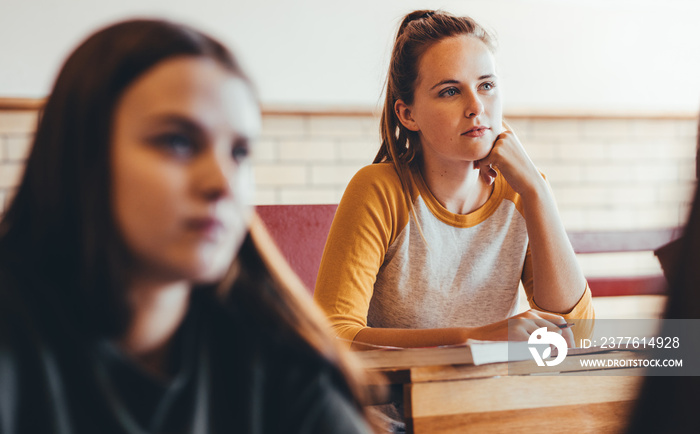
181, 176
457, 109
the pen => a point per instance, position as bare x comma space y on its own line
567, 325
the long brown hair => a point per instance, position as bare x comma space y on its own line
264, 283
58, 239
418, 31
61, 218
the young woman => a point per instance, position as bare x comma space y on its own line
430, 242
120, 311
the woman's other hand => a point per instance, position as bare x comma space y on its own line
521, 326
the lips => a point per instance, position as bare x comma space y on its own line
208, 227
477, 131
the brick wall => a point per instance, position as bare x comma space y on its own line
606, 174
16, 129
615, 173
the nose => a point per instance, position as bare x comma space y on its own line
216, 176
474, 106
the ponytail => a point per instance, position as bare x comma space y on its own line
418, 31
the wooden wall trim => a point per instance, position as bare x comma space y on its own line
512, 114
14, 104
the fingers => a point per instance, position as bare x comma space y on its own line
568, 335
486, 172
493, 158
557, 325
531, 320
550, 326
551, 317
501, 144
530, 325
505, 126
486, 165
520, 327
565, 332
502, 137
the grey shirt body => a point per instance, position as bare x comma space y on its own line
456, 277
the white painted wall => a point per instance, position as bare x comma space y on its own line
580, 55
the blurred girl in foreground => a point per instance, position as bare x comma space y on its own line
120, 310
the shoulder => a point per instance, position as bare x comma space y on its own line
22, 351
255, 330
378, 172
13, 309
379, 177
315, 394
377, 186
283, 375
25, 325
323, 406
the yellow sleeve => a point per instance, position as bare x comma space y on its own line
582, 314
370, 215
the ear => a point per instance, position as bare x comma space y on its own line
403, 112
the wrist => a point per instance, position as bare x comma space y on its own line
479, 333
466, 333
535, 191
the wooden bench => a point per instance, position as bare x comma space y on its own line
588, 242
301, 230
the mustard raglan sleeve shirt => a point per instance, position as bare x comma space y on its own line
369, 217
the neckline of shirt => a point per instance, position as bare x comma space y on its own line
460, 220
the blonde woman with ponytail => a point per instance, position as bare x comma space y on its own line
430, 243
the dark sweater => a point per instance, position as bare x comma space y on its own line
229, 376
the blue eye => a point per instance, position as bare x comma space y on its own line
179, 145
240, 150
450, 91
489, 85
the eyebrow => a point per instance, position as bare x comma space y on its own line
177, 120
453, 81
187, 124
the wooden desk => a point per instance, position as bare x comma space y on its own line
500, 398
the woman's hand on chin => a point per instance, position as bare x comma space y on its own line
509, 157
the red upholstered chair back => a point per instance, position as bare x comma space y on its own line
300, 232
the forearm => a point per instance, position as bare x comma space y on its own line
516, 328
558, 282
412, 338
